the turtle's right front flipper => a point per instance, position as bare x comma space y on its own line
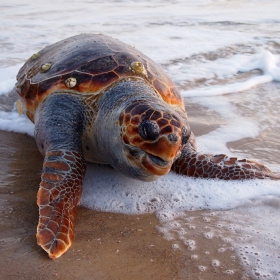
59, 125
200, 165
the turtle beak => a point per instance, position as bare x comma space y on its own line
157, 156
150, 164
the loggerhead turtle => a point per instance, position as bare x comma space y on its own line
93, 98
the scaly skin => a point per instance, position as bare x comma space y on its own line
58, 130
200, 165
59, 193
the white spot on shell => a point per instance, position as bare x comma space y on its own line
35, 56
45, 67
71, 82
138, 68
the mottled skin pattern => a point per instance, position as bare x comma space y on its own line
60, 191
200, 165
93, 98
165, 141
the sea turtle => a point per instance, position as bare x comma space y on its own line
93, 98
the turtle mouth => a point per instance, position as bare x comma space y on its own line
153, 164
158, 161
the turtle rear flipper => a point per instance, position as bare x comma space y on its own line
58, 132
200, 165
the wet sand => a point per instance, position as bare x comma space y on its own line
106, 245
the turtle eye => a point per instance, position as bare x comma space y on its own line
185, 135
149, 130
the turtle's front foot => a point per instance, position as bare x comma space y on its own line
192, 163
59, 193
55, 233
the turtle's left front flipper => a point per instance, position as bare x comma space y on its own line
200, 165
59, 123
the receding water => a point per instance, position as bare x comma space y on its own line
224, 58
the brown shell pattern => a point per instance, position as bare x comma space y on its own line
95, 61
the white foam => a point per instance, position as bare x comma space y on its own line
8, 79
106, 190
230, 88
12, 121
265, 61
263, 257
251, 230
211, 65
215, 141
184, 29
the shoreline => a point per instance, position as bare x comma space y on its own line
106, 245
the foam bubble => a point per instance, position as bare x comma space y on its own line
208, 235
191, 244
202, 268
175, 246
229, 271
194, 257
221, 250
216, 263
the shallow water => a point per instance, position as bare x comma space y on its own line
224, 58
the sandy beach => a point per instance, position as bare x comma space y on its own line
224, 57
106, 245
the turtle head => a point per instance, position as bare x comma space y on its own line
153, 135
143, 135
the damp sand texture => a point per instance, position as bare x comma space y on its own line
224, 58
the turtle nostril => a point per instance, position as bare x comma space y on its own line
172, 137
185, 135
149, 130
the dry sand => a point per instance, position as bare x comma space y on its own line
106, 245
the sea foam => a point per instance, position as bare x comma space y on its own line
8, 79
195, 41
171, 192
264, 61
12, 121
251, 230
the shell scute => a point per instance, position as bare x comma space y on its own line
121, 70
100, 65
125, 58
30, 90
161, 87
46, 85
103, 80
